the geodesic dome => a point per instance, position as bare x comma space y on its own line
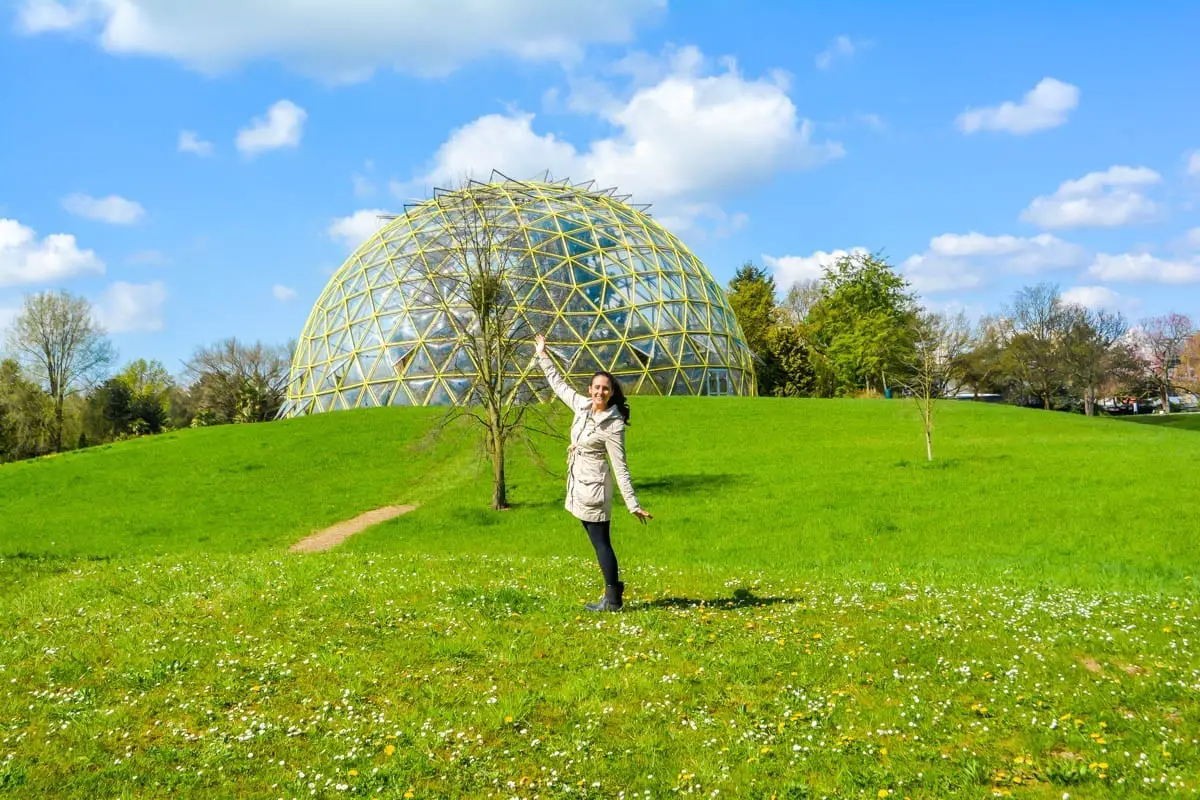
609, 287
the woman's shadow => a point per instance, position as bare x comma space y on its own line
741, 598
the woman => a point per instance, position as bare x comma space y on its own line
597, 430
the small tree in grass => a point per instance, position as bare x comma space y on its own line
479, 275
939, 343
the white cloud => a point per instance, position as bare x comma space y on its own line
25, 260
342, 41
931, 274
283, 293
1193, 164
793, 269
1144, 268
1047, 105
190, 142
842, 47
1099, 199
354, 229
683, 141
42, 16
1026, 256
113, 209
281, 127
1095, 297
1192, 238
132, 307
963, 261
153, 258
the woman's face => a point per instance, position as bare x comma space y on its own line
600, 391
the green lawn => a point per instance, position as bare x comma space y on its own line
1184, 422
814, 611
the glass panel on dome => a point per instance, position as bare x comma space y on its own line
645, 290
439, 353
352, 374
582, 323
672, 316
398, 397
419, 389
323, 402
672, 344
460, 387
695, 377
695, 320
350, 397
381, 297
358, 332
689, 356
670, 286
420, 364
585, 363
617, 321
439, 396
561, 332
607, 354
664, 380
387, 324
694, 289
440, 327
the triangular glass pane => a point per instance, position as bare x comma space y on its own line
585, 363
664, 380
419, 389
353, 374
696, 322
420, 364
606, 354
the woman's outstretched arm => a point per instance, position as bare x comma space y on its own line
615, 444
561, 388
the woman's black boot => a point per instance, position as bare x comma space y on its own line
612, 601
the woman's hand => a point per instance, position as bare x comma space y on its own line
643, 515
539, 345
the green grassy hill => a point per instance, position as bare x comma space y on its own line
814, 612
827, 486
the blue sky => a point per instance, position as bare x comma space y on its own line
198, 168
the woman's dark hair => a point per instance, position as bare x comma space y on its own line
618, 395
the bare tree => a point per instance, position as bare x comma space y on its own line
58, 340
1034, 327
238, 382
983, 363
1091, 349
800, 297
936, 364
481, 274
1163, 339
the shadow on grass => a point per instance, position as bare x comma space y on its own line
741, 598
663, 484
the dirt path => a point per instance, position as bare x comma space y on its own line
338, 533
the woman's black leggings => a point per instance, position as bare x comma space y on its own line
598, 532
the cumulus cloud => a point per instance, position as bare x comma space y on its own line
190, 142
1106, 199
114, 210
963, 261
132, 307
841, 48
1095, 297
283, 293
685, 140
343, 41
1144, 268
1193, 164
282, 126
356, 228
1192, 238
25, 259
1046, 105
795, 269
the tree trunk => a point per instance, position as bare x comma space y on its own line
1166, 397
58, 424
499, 484
1046, 402
929, 433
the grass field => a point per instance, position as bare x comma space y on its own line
1188, 422
814, 612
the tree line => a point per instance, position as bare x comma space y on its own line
859, 330
62, 388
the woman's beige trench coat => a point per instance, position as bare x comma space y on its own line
593, 436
